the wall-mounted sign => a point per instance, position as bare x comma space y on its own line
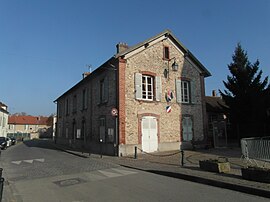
168, 109
114, 112
169, 96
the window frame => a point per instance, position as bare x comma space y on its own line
185, 92
74, 107
67, 106
84, 99
166, 53
148, 94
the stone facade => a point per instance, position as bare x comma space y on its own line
80, 109
93, 126
151, 61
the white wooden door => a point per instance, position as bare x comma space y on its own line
187, 126
149, 134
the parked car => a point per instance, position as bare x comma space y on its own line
9, 142
13, 140
3, 143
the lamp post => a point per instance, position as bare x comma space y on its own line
174, 67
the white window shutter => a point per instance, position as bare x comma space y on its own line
178, 90
192, 92
138, 86
158, 88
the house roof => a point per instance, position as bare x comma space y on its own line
170, 35
28, 120
166, 33
3, 108
215, 104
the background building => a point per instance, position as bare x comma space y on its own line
28, 126
3, 119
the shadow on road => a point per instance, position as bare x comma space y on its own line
50, 144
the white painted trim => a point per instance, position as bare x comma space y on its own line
186, 58
141, 48
176, 47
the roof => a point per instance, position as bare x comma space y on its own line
3, 108
169, 34
90, 76
215, 104
166, 33
28, 120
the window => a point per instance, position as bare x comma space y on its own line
187, 128
11, 127
74, 129
83, 129
166, 53
84, 99
102, 122
74, 107
60, 109
26, 127
103, 91
185, 92
67, 107
147, 87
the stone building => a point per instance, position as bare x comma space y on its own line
21, 126
3, 120
150, 95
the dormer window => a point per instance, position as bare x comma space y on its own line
166, 53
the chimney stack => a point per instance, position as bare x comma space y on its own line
214, 94
85, 74
120, 47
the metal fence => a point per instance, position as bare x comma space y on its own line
256, 149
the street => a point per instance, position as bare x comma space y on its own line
36, 171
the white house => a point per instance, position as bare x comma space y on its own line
3, 120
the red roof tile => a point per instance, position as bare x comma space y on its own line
28, 120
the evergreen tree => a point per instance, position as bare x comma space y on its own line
244, 89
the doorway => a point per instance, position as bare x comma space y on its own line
149, 134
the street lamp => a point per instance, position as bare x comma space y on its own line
167, 69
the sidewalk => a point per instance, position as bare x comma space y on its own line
169, 164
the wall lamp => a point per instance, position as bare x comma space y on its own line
167, 69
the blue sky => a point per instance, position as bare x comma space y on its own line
45, 45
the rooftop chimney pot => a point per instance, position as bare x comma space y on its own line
120, 47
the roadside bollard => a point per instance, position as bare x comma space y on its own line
1, 170
182, 157
100, 148
1, 187
135, 152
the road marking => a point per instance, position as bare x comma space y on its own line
109, 174
40, 160
123, 172
28, 161
16, 162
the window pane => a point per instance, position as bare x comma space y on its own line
185, 92
147, 87
166, 53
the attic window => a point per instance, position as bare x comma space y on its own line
166, 53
